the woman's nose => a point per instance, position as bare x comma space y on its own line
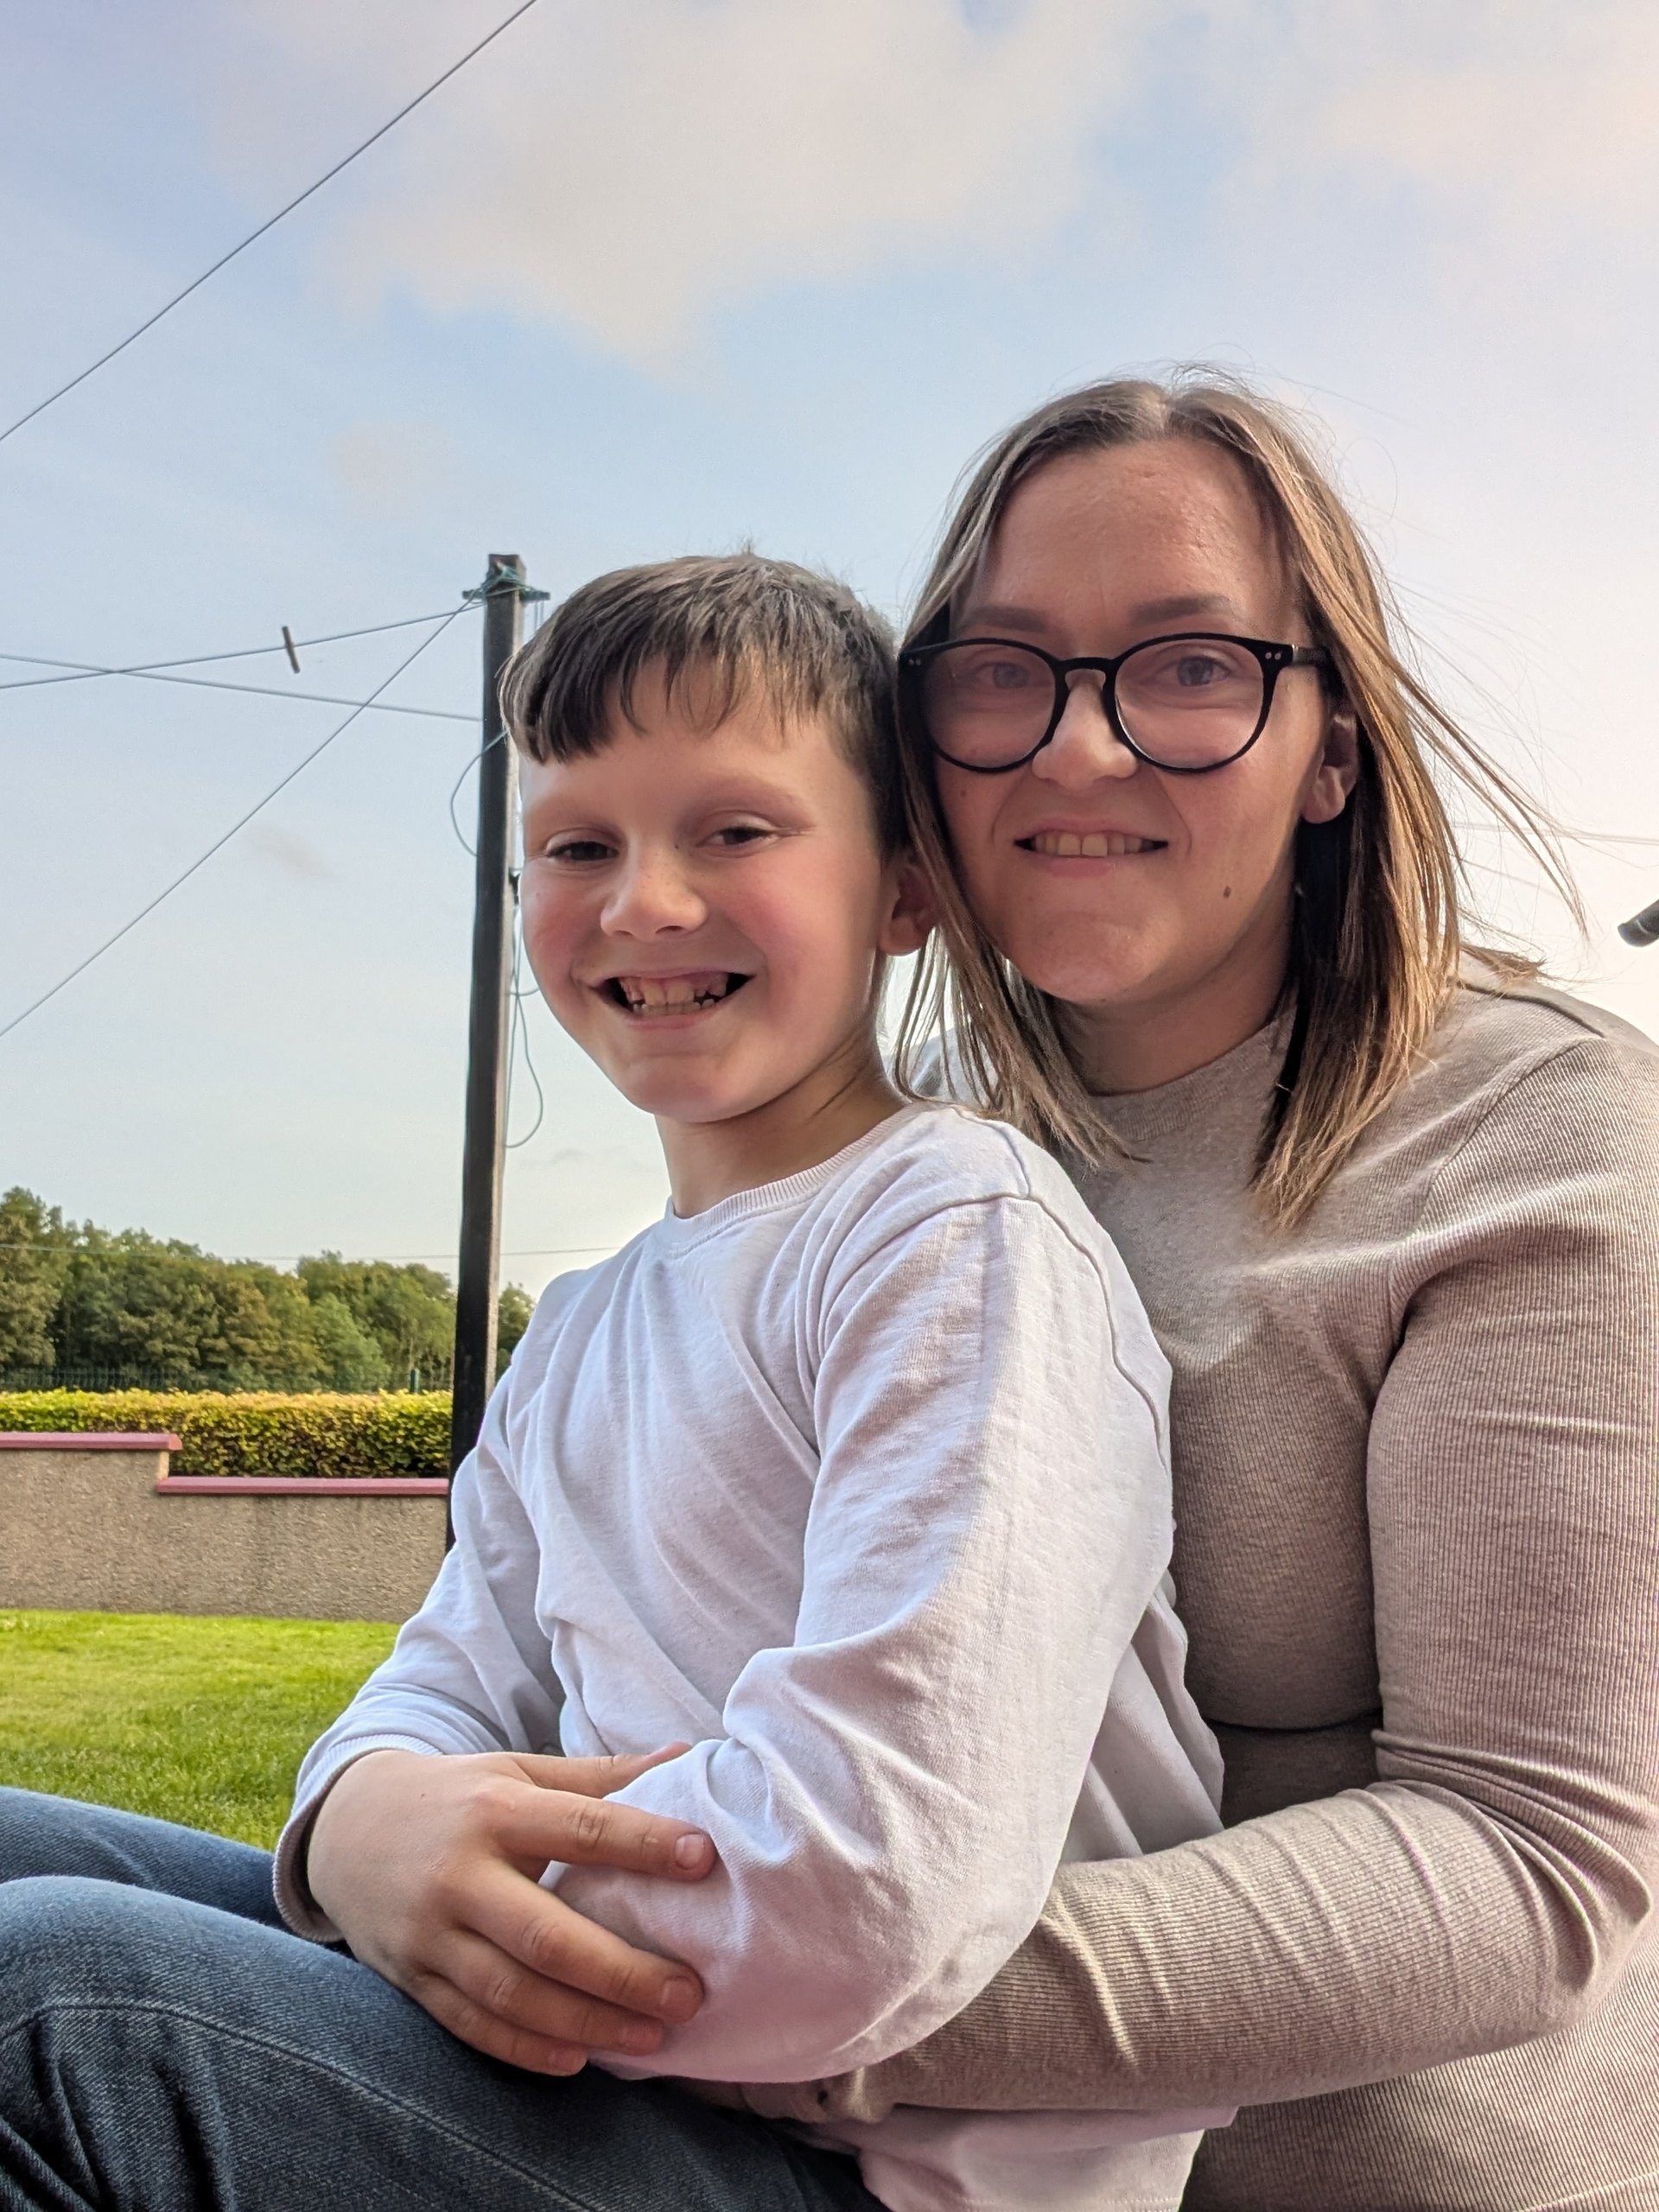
1084, 746
653, 896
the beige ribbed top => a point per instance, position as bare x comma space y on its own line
1417, 1495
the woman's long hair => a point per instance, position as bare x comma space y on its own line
1379, 927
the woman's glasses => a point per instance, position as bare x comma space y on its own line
1185, 704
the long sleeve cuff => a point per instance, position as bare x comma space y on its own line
299, 1908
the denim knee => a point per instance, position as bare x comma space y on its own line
59, 1835
67, 1938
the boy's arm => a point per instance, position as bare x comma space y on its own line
468, 1673
895, 1787
427, 1865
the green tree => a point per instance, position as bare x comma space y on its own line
409, 1311
75, 1295
34, 1259
513, 1311
351, 1358
132, 1300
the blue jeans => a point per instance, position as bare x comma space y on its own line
165, 2045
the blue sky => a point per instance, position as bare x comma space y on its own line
668, 275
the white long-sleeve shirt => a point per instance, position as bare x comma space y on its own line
859, 1483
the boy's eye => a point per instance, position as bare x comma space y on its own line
740, 833
578, 849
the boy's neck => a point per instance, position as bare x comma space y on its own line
843, 1099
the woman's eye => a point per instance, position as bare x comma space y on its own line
577, 850
998, 675
1188, 672
1193, 671
736, 835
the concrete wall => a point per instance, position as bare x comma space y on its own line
95, 1523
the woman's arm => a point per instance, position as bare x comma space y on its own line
1489, 1887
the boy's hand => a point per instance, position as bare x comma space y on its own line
428, 1867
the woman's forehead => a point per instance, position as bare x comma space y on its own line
1164, 530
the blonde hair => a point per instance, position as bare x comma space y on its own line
1379, 927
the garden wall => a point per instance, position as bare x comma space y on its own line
100, 1524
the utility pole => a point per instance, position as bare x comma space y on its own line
503, 593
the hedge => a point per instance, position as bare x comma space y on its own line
259, 1432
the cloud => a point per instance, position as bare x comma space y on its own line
396, 467
291, 855
1535, 114
633, 167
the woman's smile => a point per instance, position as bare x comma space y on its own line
1088, 844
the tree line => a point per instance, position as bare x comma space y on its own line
75, 1298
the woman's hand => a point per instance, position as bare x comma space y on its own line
429, 1867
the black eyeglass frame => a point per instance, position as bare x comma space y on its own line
1272, 658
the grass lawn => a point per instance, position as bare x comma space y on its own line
199, 1720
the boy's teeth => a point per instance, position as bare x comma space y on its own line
1096, 845
673, 993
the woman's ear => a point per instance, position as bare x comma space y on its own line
909, 916
1337, 770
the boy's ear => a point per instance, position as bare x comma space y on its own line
911, 915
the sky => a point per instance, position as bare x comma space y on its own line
671, 275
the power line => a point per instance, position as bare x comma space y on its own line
455, 790
218, 844
270, 223
519, 1030
251, 690
86, 669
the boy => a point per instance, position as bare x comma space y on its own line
850, 1475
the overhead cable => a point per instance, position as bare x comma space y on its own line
519, 1030
270, 223
85, 669
254, 691
219, 843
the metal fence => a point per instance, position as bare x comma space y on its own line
92, 1378
433, 1374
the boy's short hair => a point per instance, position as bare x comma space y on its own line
743, 623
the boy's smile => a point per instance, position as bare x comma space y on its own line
704, 908
662, 998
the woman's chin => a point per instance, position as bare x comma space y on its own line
1096, 977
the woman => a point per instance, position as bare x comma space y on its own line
1394, 1211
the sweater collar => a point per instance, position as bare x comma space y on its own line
677, 1233
1231, 1090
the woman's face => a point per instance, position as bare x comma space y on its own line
1170, 940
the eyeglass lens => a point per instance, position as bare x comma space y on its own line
1187, 702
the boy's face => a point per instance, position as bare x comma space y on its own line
703, 906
